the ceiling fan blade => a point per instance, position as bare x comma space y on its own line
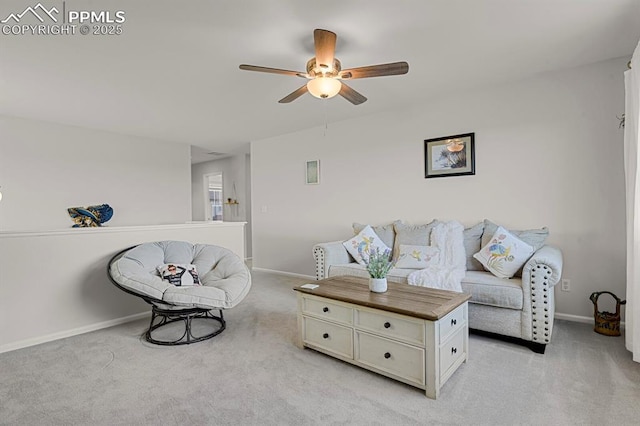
272, 70
394, 68
294, 95
351, 95
325, 42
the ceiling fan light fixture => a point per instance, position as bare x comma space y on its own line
324, 87
325, 74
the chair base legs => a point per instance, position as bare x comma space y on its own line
161, 317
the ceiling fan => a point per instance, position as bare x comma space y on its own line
325, 74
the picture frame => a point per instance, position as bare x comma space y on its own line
450, 156
312, 172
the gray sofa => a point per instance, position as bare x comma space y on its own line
519, 309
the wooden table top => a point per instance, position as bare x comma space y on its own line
420, 302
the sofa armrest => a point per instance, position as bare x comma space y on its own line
539, 275
548, 259
327, 254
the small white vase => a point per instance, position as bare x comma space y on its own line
378, 285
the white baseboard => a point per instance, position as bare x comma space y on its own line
68, 333
557, 315
579, 318
106, 324
574, 318
290, 274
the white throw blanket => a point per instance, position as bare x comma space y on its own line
448, 271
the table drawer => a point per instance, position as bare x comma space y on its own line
326, 309
452, 322
330, 337
401, 360
451, 351
392, 326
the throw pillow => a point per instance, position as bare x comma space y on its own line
385, 232
362, 244
179, 275
417, 257
534, 237
504, 254
415, 235
472, 245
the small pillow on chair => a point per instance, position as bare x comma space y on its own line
362, 244
179, 275
504, 254
417, 257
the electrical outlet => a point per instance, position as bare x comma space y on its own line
566, 285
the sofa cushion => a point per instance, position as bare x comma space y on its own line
487, 289
504, 254
360, 246
416, 235
386, 232
472, 245
417, 257
484, 288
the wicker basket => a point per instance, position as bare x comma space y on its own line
606, 323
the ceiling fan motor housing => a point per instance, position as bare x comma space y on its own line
320, 70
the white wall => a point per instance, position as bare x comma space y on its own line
235, 170
248, 230
548, 153
46, 168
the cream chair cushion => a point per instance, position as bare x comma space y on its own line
224, 276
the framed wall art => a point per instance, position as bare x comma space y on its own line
450, 156
313, 172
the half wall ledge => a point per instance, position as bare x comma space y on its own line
70, 270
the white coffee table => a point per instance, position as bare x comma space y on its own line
417, 335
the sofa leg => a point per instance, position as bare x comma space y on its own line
537, 347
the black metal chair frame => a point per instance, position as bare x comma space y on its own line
161, 316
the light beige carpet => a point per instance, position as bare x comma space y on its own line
254, 374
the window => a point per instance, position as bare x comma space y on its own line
215, 198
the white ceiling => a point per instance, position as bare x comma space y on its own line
173, 74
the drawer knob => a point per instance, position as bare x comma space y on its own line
325, 336
387, 325
454, 350
453, 321
325, 309
387, 355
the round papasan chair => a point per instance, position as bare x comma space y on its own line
225, 281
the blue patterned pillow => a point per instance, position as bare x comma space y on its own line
504, 254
